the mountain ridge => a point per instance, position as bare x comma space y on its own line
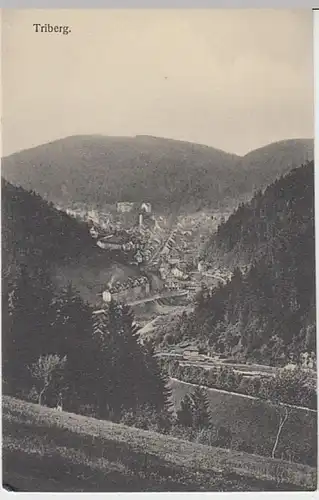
97, 170
160, 138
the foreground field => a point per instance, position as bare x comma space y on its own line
46, 450
255, 422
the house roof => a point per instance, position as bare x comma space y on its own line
184, 344
112, 240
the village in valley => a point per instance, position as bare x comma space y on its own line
156, 245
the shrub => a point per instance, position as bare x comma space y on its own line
224, 437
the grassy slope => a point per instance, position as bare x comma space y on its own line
255, 421
45, 450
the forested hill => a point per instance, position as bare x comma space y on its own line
269, 222
35, 231
268, 311
263, 165
97, 170
51, 342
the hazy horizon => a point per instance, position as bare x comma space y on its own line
235, 80
157, 137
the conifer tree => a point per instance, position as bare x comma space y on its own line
31, 297
72, 336
185, 413
200, 408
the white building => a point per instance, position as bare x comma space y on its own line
93, 216
201, 266
109, 245
138, 257
93, 232
106, 295
124, 206
191, 352
177, 273
146, 207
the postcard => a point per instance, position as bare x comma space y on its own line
158, 251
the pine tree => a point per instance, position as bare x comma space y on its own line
128, 373
200, 408
72, 336
194, 410
31, 297
185, 413
155, 384
141, 367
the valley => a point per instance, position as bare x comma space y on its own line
148, 257
191, 321
158, 257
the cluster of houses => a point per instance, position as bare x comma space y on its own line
175, 274
112, 218
173, 268
123, 243
115, 238
139, 241
115, 242
139, 210
308, 360
124, 240
117, 288
185, 350
127, 206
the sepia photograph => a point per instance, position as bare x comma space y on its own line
158, 251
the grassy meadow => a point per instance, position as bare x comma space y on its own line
47, 450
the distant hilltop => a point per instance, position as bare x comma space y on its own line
96, 170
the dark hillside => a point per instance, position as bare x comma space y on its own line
267, 310
34, 230
284, 211
97, 170
263, 165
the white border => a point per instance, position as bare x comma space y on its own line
189, 4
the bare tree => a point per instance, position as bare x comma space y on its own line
45, 369
283, 412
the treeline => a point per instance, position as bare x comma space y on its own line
266, 312
291, 386
192, 422
55, 348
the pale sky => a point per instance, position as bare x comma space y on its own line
231, 79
